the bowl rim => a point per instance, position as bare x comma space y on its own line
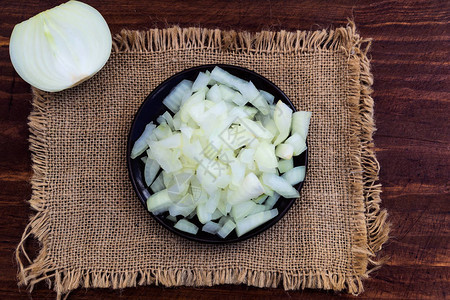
143, 201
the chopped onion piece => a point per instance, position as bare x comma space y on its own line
249, 111
261, 104
269, 97
284, 151
177, 210
161, 132
158, 184
251, 222
265, 157
224, 206
161, 120
285, 165
256, 129
202, 214
159, 202
211, 227
141, 143
186, 226
169, 120
220, 75
282, 117
186, 131
197, 97
280, 185
151, 169
226, 229
297, 142
197, 112
223, 220
214, 94
271, 201
295, 175
200, 82
269, 124
173, 141
167, 178
212, 203
239, 99
250, 188
267, 190
216, 215
246, 156
184, 206
249, 91
243, 209
300, 123
176, 96
165, 159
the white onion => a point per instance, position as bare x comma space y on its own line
60, 47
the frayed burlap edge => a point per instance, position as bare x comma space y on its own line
371, 229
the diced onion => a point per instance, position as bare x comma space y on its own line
211, 227
177, 95
285, 165
280, 185
226, 229
269, 97
201, 82
300, 123
297, 142
219, 155
285, 151
186, 226
271, 201
282, 117
243, 209
159, 201
250, 188
295, 175
251, 222
141, 144
150, 171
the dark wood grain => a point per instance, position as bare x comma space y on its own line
410, 57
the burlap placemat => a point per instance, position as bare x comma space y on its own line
95, 233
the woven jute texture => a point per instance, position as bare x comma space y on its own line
93, 230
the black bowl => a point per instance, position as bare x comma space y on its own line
152, 107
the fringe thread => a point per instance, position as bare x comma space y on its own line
371, 229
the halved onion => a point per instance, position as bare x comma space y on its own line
60, 47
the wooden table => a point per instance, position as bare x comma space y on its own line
410, 59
